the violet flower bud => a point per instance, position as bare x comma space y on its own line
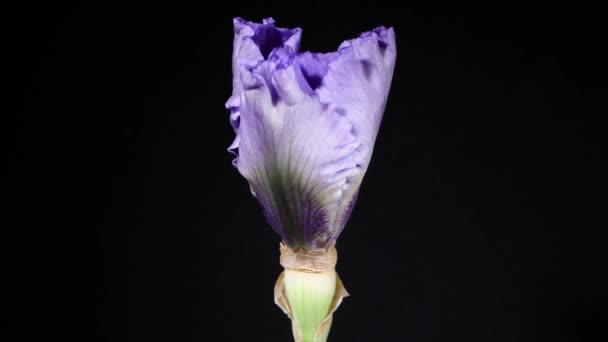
305, 127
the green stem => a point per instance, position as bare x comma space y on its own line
310, 296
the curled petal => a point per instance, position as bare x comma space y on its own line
357, 84
294, 153
252, 43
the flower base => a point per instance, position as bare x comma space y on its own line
309, 291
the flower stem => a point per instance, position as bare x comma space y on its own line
309, 291
310, 296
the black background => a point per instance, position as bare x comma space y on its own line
478, 219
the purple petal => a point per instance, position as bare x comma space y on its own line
358, 84
251, 42
295, 153
306, 125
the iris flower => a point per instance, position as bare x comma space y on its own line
305, 127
